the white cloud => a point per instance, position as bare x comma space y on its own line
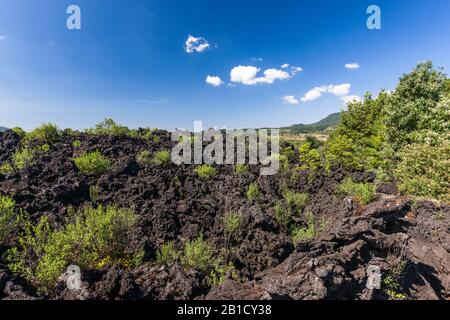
248, 75
285, 66
257, 59
2, 37
352, 66
295, 70
290, 100
351, 98
313, 94
339, 90
214, 81
196, 44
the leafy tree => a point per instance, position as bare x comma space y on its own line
414, 110
357, 142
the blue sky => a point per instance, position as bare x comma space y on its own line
130, 62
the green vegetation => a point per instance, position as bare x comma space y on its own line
92, 163
6, 168
198, 254
220, 272
76, 144
425, 170
94, 192
364, 193
7, 217
206, 171
108, 127
296, 201
232, 224
23, 158
144, 157
282, 216
167, 255
240, 169
96, 237
253, 192
47, 132
161, 158
19, 131
309, 232
322, 125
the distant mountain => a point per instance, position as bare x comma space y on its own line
330, 121
2, 129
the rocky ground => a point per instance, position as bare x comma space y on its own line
407, 239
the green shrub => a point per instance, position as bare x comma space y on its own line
220, 272
358, 141
47, 132
282, 216
6, 217
76, 144
108, 128
161, 158
94, 192
232, 224
23, 158
240, 169
167, 255
296, 201
302, 234
206, 171
253, 192
19, 131
197, 255
96, 237
310, 158
6, 168
364, 193
424, 170
415, 107
144, 157
45, 148
92, 163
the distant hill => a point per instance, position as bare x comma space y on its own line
2, 129
330, 121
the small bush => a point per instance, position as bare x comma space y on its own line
144, 157
206, 171
167, 254
232, 224
240, 169
302, 234
253, 192
47, 132
161, 158
19, 131
282, 216
220, 272
6, 168
197, 255
108, 127
296, 201
6, 217
96, 236
23, 158
94, 192
424, 170
92, 163
363, 192
76, 144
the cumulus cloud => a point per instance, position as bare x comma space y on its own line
313, 94
196, 44
214, 81
248, 75
339, 90
352, 66
295, 70
289, 100
351, 98
285, 66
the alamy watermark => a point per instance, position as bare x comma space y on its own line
374, 20
218, 147
73, 22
